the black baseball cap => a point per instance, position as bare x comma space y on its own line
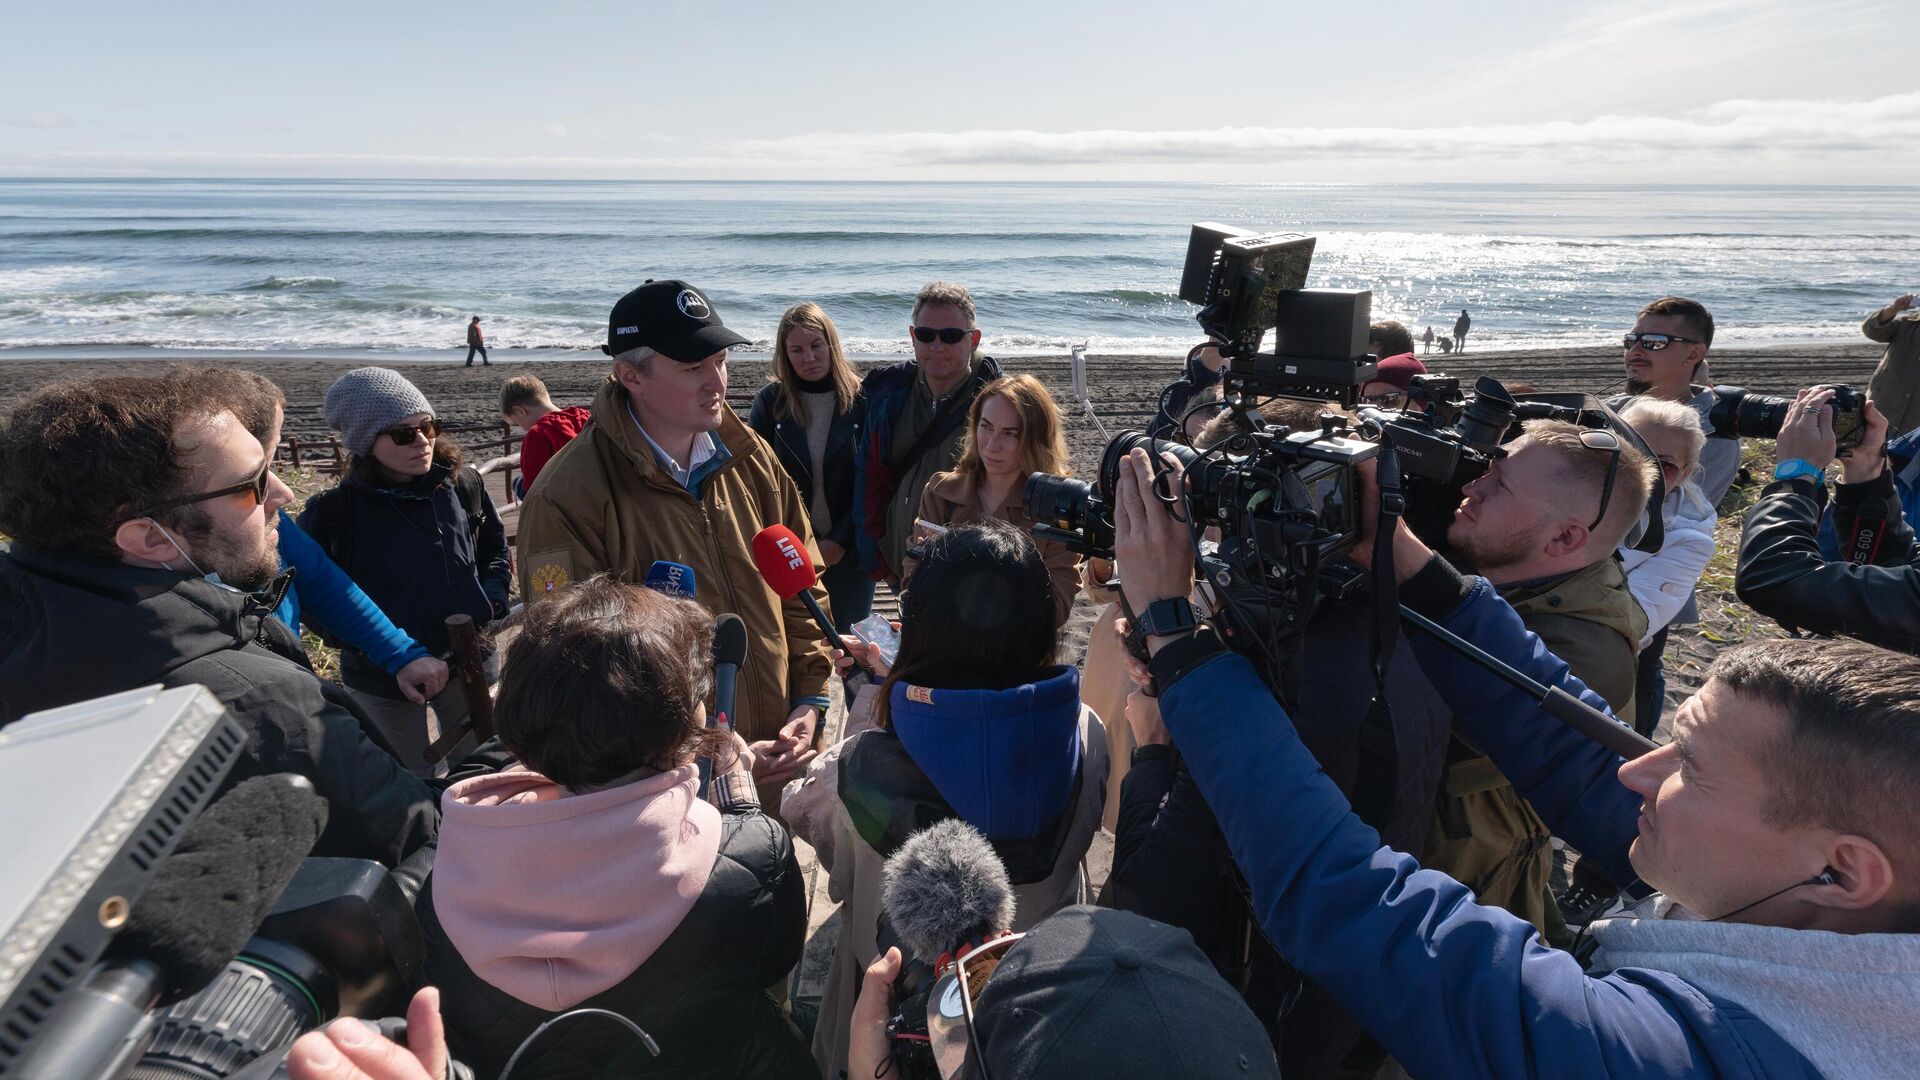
1095, 993
672, 318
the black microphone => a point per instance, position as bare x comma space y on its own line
729, 652
205, 900
944, 888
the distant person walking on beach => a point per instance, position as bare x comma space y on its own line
476, 343
1460, 327
1895, 386
1427, 339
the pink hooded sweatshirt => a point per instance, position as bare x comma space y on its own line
553, 897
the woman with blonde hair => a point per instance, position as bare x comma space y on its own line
1013, 431
811, 415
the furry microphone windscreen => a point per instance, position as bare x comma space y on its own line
221, 880
944, 886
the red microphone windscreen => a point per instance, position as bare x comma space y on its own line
783, 561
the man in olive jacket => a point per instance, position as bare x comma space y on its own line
1542, 525
1895, 386
666, 471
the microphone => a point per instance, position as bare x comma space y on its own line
672, 578
943, 888
783, 561
204, 903
729, 652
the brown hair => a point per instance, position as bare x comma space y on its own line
1291, 413
1392, 338
1850, 757
1585, 468
846, 385
446, 453
522, 390
78, 458
1043, 442
606, 678
1694, 314
254, 398
944, 292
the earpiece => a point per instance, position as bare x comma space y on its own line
1826, 877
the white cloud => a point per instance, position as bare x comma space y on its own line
559, 131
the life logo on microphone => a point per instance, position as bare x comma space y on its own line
795, 560
692, 304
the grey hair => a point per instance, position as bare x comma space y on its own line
639, 358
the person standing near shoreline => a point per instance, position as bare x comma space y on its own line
1460, 327
810, 414
1895, 386
476, 343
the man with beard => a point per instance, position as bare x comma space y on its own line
1666, 352
1542, 525
144, 519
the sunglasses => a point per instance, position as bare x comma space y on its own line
950, 1006
256, 485
947, 335
402, 435
1603, 440
1655, 342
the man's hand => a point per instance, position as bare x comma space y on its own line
867, 1049
777, 759
1137, 672
1210, 357
1807, 432
1893, 310
350, 1050
831, 553
1156, 550
422, 679
1410, 555
1869, 458
1143, 716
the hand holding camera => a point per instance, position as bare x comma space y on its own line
1807, 433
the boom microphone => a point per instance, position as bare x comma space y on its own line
205, 902
943, 888
783, 561
672, 578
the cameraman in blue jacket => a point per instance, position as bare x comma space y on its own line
1783, 941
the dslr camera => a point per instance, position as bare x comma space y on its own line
1740, 414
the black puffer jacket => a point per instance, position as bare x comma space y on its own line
788, 437
74, 627
1784, 576
422, 551
701, 995
1171, 863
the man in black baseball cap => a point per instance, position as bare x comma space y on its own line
1087, 993
665, 471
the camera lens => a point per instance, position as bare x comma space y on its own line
256, 1006
1060, 501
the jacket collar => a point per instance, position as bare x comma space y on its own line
610, 422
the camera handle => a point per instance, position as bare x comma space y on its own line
1558, 704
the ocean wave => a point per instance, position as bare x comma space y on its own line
277, 284
28, 279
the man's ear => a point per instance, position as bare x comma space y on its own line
1567, 538
141, 541
1862, 874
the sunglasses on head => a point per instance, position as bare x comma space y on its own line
947, 335
1603, 440
402, 434
256, 485
1656, 342
950, 1006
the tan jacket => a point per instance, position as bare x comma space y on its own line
604, 504
953, 498
1895, 386
814, 811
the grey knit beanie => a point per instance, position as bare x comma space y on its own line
366, 401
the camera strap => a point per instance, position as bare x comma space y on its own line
1376, 773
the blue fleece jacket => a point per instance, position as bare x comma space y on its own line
322, 586
1451, 988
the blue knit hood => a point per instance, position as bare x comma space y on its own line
1005, 760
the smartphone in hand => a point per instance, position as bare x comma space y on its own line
876, 631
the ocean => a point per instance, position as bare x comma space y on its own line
393, 269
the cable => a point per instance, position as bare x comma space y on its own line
646, 1040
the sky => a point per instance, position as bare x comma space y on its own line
1714, 91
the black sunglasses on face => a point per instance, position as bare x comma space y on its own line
1656, 342
402, 435
257, 485
1603, 440
948, 335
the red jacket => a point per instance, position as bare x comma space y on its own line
545, 438
474, 337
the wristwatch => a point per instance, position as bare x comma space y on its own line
1168, 618
1794, 468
